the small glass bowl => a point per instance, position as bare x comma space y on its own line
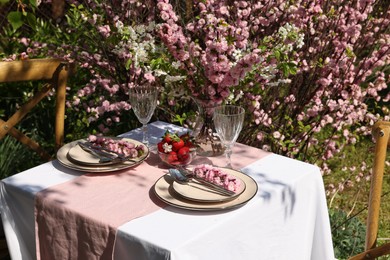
177, 160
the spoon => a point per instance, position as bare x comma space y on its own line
182, 178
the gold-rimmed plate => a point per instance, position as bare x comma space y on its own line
64, 159
163, 189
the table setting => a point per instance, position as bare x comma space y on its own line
112, 154
147, 194
74, 155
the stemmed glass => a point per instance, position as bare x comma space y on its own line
228, 121
143, 100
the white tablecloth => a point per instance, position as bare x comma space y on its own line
287, 219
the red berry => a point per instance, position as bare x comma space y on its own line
170, 137
160, 146
188, 140
189, 144
172, 157
176, 145
184, 153
167, 138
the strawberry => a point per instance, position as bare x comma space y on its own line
185, 137
184, 153
189, 144
174, 140
167, 137
172, 157
188, 140
160, 146
176, 145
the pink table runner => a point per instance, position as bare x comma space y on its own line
78, 219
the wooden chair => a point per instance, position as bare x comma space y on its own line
381, 132
54, 72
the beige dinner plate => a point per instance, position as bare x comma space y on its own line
198, 192
65, 159
163, 188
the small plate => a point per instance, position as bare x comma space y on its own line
63, 158
165, 192
198, 192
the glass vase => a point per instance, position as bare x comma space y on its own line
206, 137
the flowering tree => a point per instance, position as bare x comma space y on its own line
313, 75
310, 73
339, 68
221, 45
338, 89
310, 68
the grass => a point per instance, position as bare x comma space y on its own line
353, 200
15, 157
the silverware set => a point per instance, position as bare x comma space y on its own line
184, 176
105, 155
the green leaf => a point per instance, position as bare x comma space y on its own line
33, 3
15, 19
293, 68
3, 1
277, 54
350, 53
180, 119
128, 63
285, 69
31, 20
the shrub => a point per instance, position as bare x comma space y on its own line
312, 75
348, 234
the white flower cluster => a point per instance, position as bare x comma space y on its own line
237, 55
171, 79
279, 81
269, 72
137, 43
290, 32
176, 64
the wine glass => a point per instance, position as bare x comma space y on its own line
143, 100
228, 121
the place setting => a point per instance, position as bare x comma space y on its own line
204, 186
102, 154
106, 154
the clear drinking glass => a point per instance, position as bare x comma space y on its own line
143, 100
228, 121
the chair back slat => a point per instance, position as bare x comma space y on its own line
28, 70
55, 73
381, 134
